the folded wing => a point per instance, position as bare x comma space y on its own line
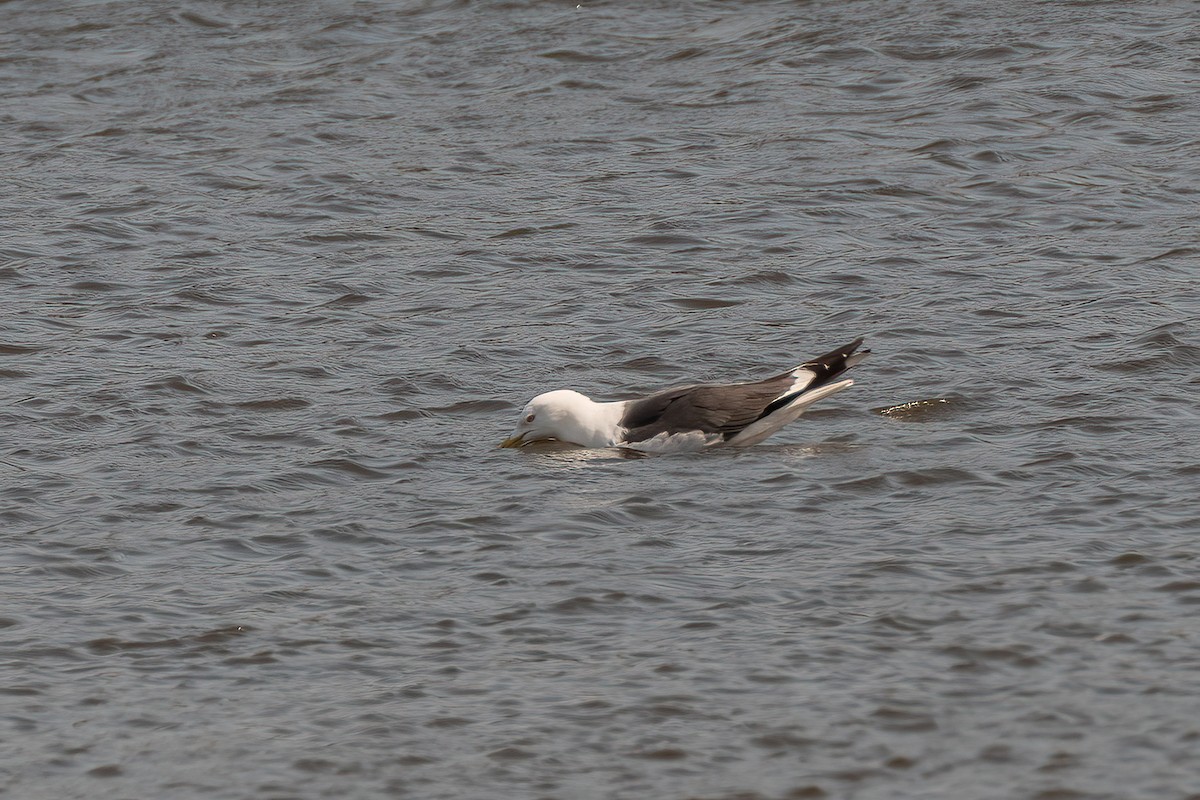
728, 409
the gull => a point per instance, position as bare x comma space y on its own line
687, 418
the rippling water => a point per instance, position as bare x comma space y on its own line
278, 277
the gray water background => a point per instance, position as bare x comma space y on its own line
277, 277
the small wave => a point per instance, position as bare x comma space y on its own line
915, 410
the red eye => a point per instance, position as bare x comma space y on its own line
529, 418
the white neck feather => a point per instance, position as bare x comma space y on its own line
591, 424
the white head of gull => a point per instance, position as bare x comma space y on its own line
689, 417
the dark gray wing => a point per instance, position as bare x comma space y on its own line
723, 409
727, 409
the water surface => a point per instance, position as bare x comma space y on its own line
278, 277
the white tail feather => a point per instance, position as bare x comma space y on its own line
756, 431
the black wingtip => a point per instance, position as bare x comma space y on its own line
841, 353
835, 362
